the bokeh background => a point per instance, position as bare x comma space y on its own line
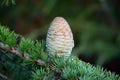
95, 25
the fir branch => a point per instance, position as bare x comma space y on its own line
54, 68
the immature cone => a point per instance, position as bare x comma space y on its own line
59, 38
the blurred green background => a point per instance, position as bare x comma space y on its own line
95, 25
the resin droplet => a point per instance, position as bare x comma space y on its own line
59, 38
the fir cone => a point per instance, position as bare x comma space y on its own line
59, 38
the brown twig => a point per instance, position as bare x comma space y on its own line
55, 70
12, 51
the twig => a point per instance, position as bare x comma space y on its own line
4, 52
12, 51
55, 70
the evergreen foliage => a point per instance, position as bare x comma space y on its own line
24, 59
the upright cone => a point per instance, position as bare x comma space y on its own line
59, 38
